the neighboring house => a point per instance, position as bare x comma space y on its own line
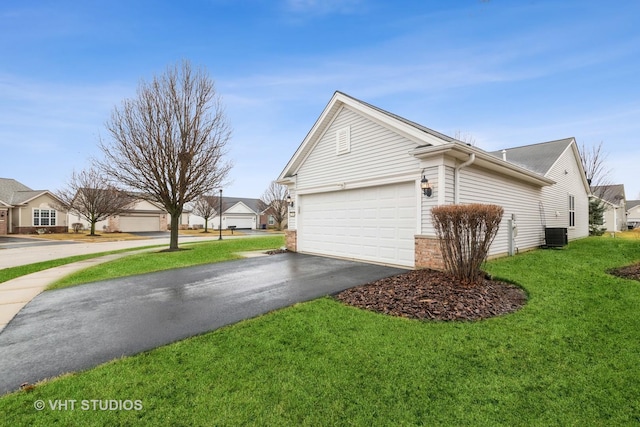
356, 185
142, 216
633, 213
27, 211
613, 197
237, 212
268, 218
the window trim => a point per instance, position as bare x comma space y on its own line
37, 217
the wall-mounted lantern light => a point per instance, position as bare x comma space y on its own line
425, 186
289, 200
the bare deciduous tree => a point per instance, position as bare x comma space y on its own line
595, 166
465, 137
274, 202
170, 141
207, 208
90, 194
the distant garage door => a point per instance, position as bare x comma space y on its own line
248, 222
375, 224
138, 223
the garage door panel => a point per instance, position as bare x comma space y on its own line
139, 223
373, 224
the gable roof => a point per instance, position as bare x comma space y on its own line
13, 192
229, 202
428, 142
610, 193
422, 135
539, 157
632, 204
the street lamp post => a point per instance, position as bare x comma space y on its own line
220, 215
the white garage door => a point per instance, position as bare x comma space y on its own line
241, 221
139, 223
375, 224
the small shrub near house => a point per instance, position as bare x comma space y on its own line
465, 233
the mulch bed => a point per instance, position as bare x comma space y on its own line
276, 251
629, 272
433, 295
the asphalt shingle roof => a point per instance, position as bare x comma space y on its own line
536, 157
12, 192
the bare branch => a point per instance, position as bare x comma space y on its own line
273, 202
170, 141
89, 194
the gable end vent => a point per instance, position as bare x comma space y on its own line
343, 140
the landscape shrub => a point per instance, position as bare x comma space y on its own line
465, 233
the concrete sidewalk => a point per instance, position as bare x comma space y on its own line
15, 257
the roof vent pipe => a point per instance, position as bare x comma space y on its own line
504, 155
456, 192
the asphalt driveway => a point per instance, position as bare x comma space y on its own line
77, 328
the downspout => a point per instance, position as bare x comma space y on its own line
456, 192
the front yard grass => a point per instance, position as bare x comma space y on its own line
571, 356
192, 254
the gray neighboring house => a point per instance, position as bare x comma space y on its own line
613, 197
357, 180
237, 212
27, 211
633, 213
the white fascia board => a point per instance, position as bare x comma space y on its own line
484, 160
312, 136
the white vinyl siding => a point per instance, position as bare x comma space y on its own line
568, 179
375, 152
481, 186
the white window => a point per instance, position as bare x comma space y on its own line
572, 211
343, 140
272, 220
44, 217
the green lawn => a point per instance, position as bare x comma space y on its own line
192, 254
570, 357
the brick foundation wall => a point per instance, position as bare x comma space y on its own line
32, 230
291, 240
427, 253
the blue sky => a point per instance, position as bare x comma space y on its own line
507, 73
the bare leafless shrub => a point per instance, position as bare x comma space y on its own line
465, 233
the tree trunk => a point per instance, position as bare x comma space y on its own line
206, 230
173, 240
93, 228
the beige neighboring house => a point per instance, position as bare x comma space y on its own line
357, 180
633, 213
615, 214
27, 211
143, 216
